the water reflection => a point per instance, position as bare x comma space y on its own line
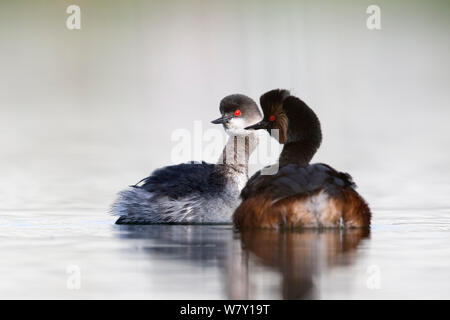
194, 244
300, 256
289, 261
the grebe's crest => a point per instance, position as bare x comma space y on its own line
274, 115
295, 121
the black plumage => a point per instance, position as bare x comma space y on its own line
296, 179
184, 179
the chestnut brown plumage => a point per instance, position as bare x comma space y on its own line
299, 195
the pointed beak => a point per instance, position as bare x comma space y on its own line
221, 120
260, 125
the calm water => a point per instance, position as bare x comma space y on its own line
405, 255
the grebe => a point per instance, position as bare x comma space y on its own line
299, 194
197, 192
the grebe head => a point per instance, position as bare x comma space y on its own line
238, 112
294, 120
275, 120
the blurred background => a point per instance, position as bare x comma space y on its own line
84, 113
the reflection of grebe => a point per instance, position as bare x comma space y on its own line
299, 257
197, 192
299, 194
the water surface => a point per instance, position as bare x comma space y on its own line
405, 255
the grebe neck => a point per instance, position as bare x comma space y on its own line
298, 152
237, 151
304, 133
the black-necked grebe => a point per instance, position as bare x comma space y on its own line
197, 192
299, 194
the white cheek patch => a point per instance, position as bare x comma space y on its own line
237, 123
236, 126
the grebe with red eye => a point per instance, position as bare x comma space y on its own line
197, 192
299, 194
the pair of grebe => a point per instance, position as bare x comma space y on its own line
298, 195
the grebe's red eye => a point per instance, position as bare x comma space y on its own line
272, 118
237, 113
